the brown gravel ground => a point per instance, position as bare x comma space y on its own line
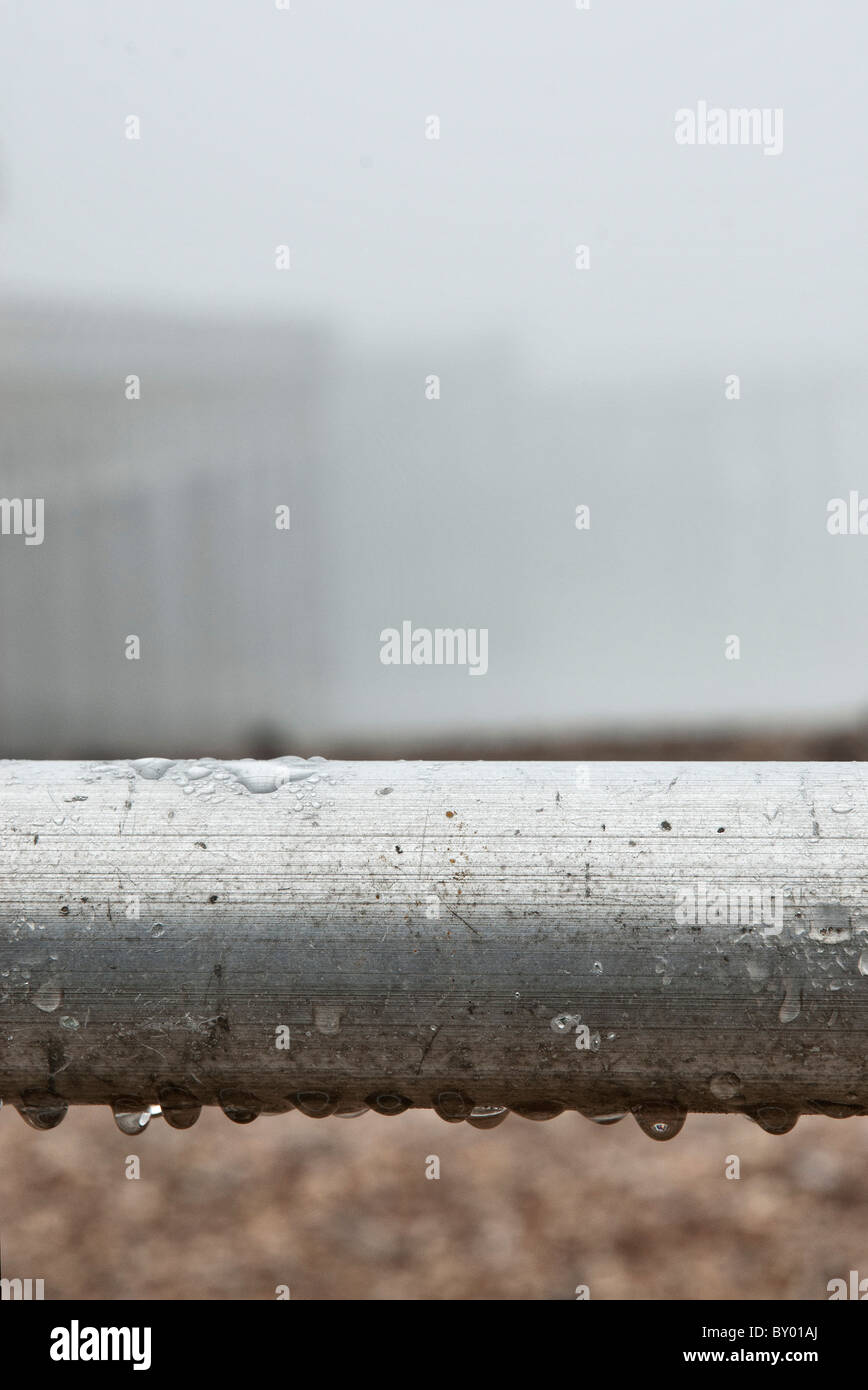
341, 1209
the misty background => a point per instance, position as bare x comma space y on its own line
412, 257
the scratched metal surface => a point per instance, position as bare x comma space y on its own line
471, 936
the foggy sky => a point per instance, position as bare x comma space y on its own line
262, 127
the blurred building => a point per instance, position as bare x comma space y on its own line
160, 523
449, 507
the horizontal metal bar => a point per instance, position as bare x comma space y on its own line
480, 937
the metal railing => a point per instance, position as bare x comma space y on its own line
480, 937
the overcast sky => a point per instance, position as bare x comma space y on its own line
261, 127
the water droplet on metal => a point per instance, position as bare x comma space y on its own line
833, 1109
259, 777
386, 1103
48, 997
774, 1119
830, 925
152, 768
239, 1106
157, 929
180, 1108
863, 962
608, 1117
199, 774
41, 1109
131, 1116
562, 1023
453, 1107
538, 1109
351, 1109
659, 1119
487, 1116
725, 1085
791, 1006
317, 1104
327, 1018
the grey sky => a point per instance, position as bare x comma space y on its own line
261, 127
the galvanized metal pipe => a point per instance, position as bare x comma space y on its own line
477, 937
